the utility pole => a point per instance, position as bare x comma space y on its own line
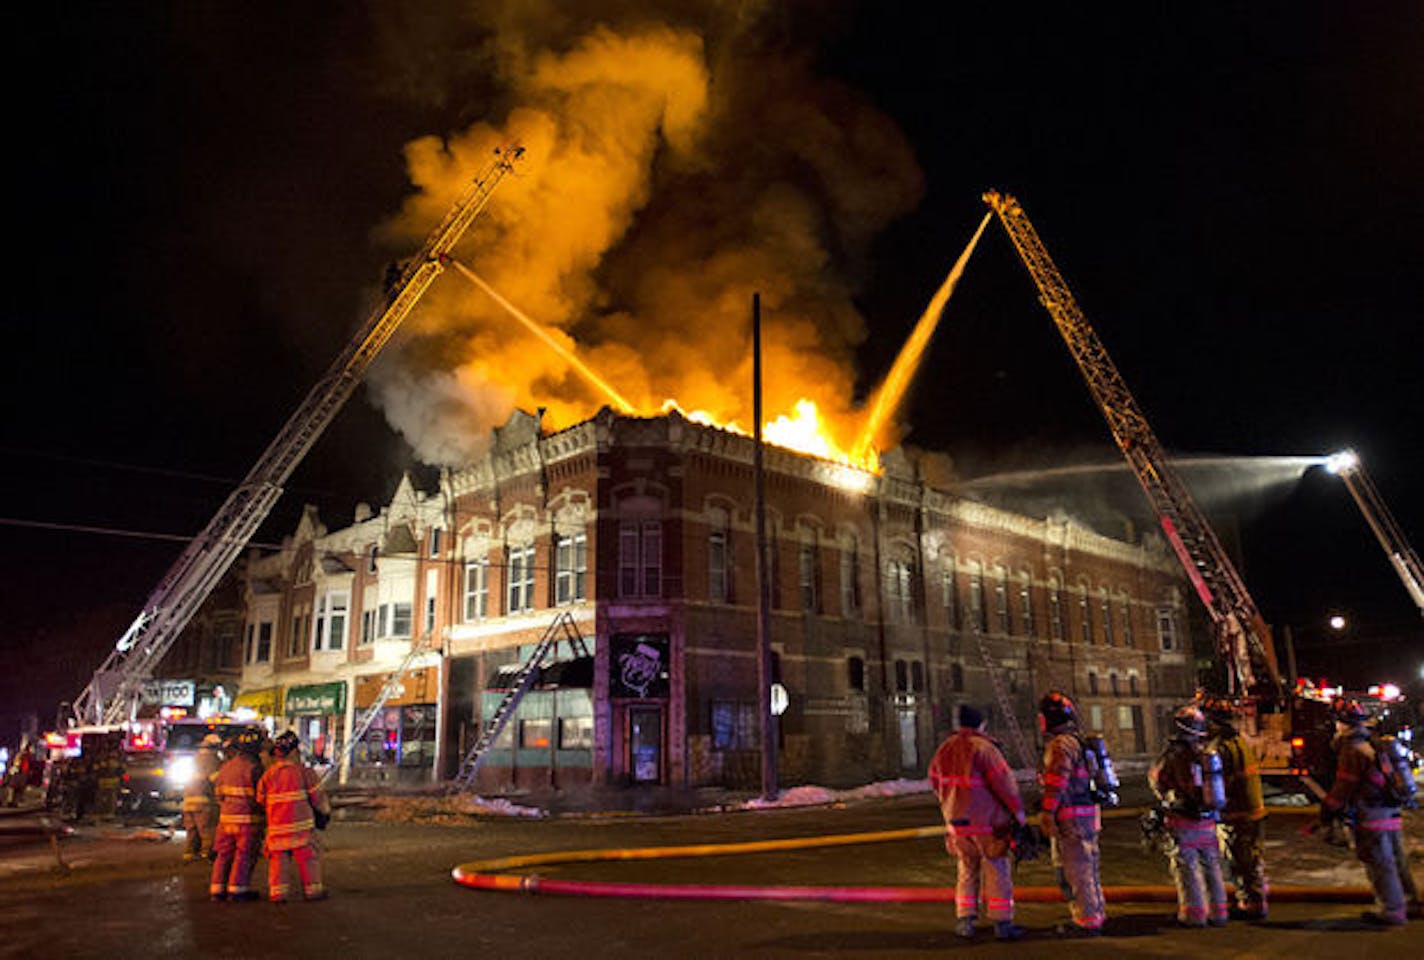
763, 631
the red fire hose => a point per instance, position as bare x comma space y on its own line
490, 875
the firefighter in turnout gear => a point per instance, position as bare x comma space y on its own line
1243, 820
1070, 816
1361, 790
981, 805
1188, 782
295, 803
200, 805
240, 820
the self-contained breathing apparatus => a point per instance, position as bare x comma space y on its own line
1102, 777
1392, 761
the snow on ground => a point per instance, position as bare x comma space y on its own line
811, 795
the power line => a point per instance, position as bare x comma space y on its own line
108, 531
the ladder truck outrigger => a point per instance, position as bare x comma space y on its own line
1286, 729
113, 694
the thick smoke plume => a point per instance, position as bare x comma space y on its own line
674, 165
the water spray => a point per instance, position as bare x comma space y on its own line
888, 397
564, 352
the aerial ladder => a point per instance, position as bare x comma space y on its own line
113, 693
1346, 465
1242, 638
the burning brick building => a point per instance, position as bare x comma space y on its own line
642, 532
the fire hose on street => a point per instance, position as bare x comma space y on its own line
499, 875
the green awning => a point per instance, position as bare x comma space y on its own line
316, 699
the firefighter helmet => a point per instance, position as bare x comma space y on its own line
285, 743
1190, 721
211, 742
248, 741
1219, 710
1348, 712
1056, 710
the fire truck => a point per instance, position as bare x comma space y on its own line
1290, 729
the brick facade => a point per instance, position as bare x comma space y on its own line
644, 531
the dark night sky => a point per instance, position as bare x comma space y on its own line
1233, 193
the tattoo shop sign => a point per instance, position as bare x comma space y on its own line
169, 693
639, 666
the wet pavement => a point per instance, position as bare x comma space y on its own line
123, 891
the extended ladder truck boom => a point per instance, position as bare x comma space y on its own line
1243, 640
114, 691
1346, 465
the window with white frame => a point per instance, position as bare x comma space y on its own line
259, 641
1106, 608
476, 590
809, 573
1127, 634
850, 578
435, 537
1001, 599
432, 590
519, 579
331, 614
719, 589
1026, 604
570, 568
391, 608
1085, 614
1095, 716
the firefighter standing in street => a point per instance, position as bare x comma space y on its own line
1361, 790
200, 805
1189, 783
1070, 815
1243, 819
292, 796
980, 803
240, 820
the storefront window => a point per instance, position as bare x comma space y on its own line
576, 733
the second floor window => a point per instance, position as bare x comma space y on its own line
1107, 620
850, 580
640, 559
809, 570
717, 581
899, 601
571, 568
1055, 611
331, 615
476, 604
1001, 600
519, 574
1026, 605
948, 596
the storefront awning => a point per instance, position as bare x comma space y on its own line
264, 702
577, 672
316, 699
417, 686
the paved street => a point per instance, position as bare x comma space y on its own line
125, 893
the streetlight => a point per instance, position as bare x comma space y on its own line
1338, 623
